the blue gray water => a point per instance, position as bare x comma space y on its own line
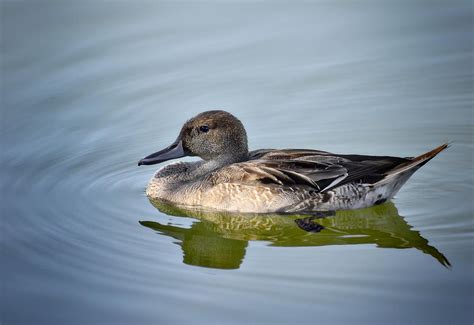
88, 88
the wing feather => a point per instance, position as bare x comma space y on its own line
318, 170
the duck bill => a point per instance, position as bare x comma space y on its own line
172, 152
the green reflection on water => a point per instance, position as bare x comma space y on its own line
219, 239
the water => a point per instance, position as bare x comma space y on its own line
89, 88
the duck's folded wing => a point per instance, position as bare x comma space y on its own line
318, 170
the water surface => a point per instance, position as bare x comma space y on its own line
89, 88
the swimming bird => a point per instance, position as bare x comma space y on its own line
229, 177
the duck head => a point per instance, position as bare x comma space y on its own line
211, 135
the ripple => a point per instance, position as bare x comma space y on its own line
89, 89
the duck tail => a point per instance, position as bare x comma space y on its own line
424, 158
413, 165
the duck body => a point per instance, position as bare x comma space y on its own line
229, 178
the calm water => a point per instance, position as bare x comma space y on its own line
90, 88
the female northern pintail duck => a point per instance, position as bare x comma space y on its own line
231, 178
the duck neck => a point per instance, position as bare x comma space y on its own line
228, 159
207, 166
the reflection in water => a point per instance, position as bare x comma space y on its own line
219, 239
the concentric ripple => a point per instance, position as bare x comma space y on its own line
89, 88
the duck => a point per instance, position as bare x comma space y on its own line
229, 177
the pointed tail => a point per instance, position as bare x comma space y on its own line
413, 165
424, 158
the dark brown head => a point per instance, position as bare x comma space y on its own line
211, 135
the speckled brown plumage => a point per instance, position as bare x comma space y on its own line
291, 180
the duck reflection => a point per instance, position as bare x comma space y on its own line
219, 239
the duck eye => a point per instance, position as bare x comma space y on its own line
204, 128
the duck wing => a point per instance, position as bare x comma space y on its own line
319, 170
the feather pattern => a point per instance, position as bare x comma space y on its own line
231, 178
316, 169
